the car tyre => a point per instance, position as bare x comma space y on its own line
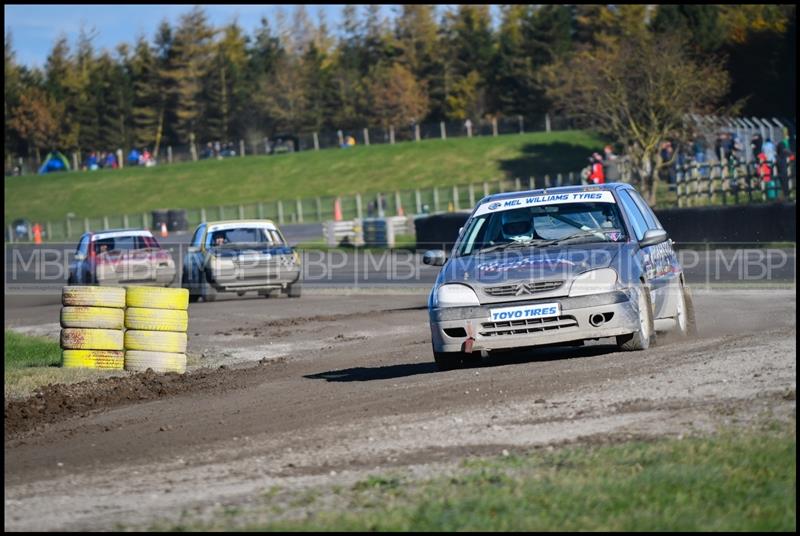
685, 320
190, 286
267, 293
207, 290
294, 290
644, 337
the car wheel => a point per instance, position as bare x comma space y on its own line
294, 290
267, 293
186, 283
240, 293
685, 321
645, 335
207, 290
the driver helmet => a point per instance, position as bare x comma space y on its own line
516, 225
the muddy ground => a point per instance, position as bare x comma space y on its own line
328, 389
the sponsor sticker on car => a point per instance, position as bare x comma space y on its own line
525, 312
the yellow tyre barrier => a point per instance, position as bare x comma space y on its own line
156, 341
92, 317
156, 319
91, 339
93, 296
95, 359
136, 360
158, 298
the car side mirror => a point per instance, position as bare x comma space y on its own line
653, 237
434, 257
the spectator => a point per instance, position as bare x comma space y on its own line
783, 157
597, 174
208, 152
133, 157
765, 173
769, 150
755, 145
147, 159
737, 148
91, 162
699, 149
111, 160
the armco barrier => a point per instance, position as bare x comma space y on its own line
774, 222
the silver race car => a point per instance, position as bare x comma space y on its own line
556, 266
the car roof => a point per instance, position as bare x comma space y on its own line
242, 222
610, 186
117, 230
114, 233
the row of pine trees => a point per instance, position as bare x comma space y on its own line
194, 82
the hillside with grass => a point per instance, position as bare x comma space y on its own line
305, 174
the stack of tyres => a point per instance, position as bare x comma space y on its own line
157, 320
92, 321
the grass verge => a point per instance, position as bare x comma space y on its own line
378, 168
733, 481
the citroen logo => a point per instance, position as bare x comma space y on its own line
522, 289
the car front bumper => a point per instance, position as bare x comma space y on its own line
261, 279
452, 326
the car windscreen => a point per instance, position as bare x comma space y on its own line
124, 243
543, 226
239, 236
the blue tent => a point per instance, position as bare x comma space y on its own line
55, 161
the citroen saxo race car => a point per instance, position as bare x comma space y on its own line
556, 266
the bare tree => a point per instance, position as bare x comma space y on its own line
638, 89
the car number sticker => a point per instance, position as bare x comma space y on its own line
525, 312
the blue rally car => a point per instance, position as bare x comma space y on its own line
556, 266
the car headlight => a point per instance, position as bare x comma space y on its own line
455, 295
594, 282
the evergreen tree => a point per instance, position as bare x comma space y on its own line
147, 96
188, 68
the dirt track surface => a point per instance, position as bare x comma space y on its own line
346, 387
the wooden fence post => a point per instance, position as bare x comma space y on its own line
299, 211
359, 209
316, 142
280, 212
241, 147
418, 199
547, 122
169, 153
366, 136
341, 137
485, 188
521, 129
494, 126
416, 132
442, 130
391, 134
455, 197
471, 195
319, 209
435, 199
